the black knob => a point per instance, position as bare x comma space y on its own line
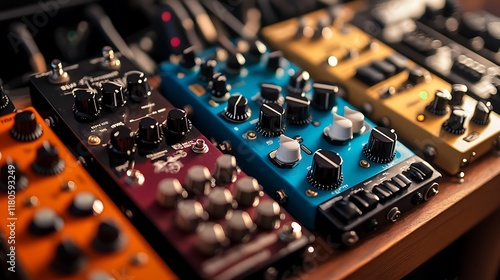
234, 63
85, 204
112, 95
492, 36
322, 29
207, 70
47, 161
274, 61
45, 221
177, 124
472, 24
482, 112
188, 59
69, 258
457, 94
6, 105
149, 135
271, 120
415, 77
109, 237
326, 170
122, 142
256, 50
270, 93
455, 123
218, 87
137, 86
237, 109
25, 127
298, 84
439, 106
324, 96
298, 110
381, 145
86, 107
9, 169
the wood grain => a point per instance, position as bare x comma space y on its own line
395, 251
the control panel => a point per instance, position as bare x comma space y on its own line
443, 56
476, 30
304, 143
437, 119
56, 211
197, 199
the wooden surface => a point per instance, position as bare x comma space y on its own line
394, 251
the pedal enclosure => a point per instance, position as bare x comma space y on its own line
57, 192
183, 87
404, 111
169, 160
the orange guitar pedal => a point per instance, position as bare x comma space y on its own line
56, 221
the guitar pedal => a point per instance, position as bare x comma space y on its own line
446, 58
188, 193
309, 147
52, 205
394, 91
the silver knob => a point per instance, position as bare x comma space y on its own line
226, 170
109, 59
219, 202
198, 180
211, 238
239, 226
290, 232
268, 215
58, 76
189, 214
169, 192
247, 192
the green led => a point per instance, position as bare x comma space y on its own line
423, 94
71, 35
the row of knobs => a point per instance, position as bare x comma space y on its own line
220, 204
199, 181
69, 258
217, 82
26, 129
455, 124
87, 103
272, 114
326, 168
235, 61
123, 140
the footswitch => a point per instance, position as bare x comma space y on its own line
429, 114
54, 208
188, 194
303, 142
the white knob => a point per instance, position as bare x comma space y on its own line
289, 150
340, 129
357, 119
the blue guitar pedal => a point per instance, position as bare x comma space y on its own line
322, 160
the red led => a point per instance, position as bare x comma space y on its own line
175, 42
166, 16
